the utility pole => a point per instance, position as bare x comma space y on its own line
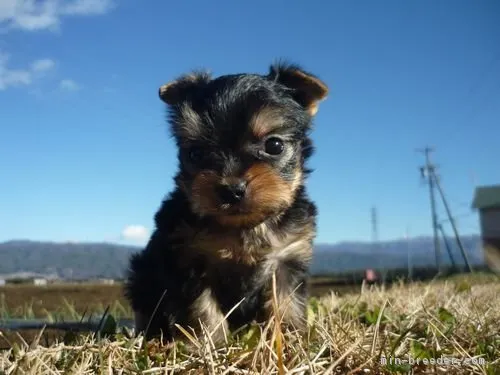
408, 253
448, 248
374, 226
452, 221
375, 243
427, 172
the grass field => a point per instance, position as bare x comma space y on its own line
61, 301
70, 301
457, 320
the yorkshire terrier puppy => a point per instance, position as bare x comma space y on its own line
239, 213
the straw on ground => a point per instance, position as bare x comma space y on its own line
373, 332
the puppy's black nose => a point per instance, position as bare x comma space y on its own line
232, 193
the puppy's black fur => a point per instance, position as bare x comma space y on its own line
239, 212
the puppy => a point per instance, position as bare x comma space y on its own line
239, 212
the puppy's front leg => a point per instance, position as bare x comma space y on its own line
290, 266
206, 310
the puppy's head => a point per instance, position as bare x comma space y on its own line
242, 140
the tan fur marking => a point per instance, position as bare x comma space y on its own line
321, 88
206, 310
313, 109
265, 121
313, 88
203, 194
267, 188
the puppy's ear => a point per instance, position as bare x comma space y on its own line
180, 89
308, 90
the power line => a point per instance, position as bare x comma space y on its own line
455, 217
475, 228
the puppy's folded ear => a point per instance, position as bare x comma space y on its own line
176, 91
308, 90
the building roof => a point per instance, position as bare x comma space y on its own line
487, 197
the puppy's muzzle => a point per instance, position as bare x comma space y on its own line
232, 193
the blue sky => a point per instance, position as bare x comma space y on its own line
84, 149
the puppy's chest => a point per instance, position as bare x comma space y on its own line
246, 248
245, 252
238, 259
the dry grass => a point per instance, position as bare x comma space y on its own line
458, 318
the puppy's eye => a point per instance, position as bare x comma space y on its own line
195, 154
274, 146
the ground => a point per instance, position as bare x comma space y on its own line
447, 326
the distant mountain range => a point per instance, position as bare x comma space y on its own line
418, 252
78, 261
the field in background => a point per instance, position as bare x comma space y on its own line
71, 300
61, 301
458, 318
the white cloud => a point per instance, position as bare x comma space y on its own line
12, 77
42, 65
86, 7
32, 15
69, 85
21, 77
137, 233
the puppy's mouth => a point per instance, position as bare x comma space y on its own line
234, 209
239, 203
233, 197
243, 200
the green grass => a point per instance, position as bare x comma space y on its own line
458, 318
66, 301
66, 312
